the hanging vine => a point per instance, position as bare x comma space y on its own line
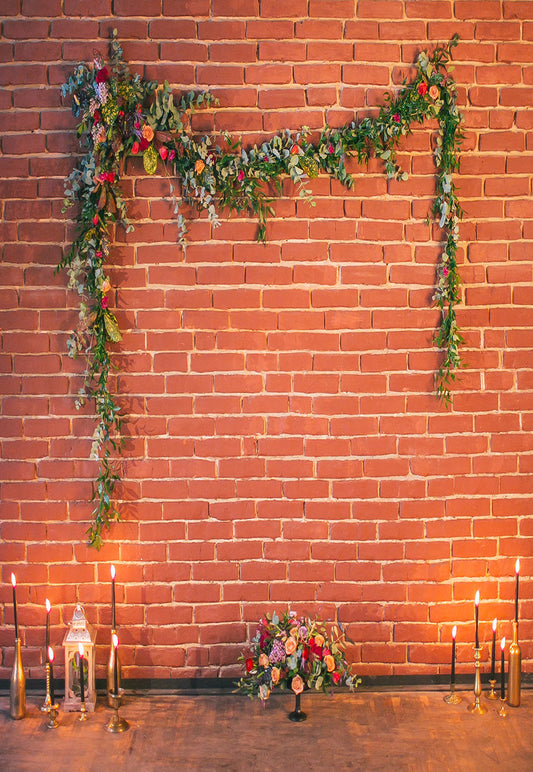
120, 115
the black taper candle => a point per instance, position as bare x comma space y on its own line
82, 674
14, 583
113, 612
493, 659
517, 569
452, 676
477, 619
502, 693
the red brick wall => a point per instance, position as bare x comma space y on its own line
285, 445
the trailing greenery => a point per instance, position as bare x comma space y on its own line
120, 115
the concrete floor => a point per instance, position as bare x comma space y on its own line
407, 730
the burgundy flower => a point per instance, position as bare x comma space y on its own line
96, 116
102, 76
144, 143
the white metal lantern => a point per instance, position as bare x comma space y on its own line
80, 631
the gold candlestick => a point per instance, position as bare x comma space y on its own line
84, 716
50, 707
17, 686
476, 706
503, 712
117, 723
452, 698
515, 670
111, 672
492, 695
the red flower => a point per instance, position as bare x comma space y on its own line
336, 677
163, 152
295, 149
423, 88
110, 176
249, 665
135, 148
396, 117
96, 116
104, 302
95, 219
102, 75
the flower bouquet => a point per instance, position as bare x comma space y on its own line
296, 653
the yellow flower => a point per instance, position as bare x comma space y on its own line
199, 166
148, 132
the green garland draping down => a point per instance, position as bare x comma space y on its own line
122, 115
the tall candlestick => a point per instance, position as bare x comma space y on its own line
82, 676
477, 619
493, 659
47, 636
502, 693
14, 583
115, 670
452, 676
51, 661
113, 613
517, 569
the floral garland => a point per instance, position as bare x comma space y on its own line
296, 653
122, 115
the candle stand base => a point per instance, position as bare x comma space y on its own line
476, 706
117, 724
452, 698
503, 710
492, 695
52, 711
84, 716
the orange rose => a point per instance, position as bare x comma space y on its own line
434, 91
106, 286
294, 632
290, 646
297, 685
330, 662
319, 639
263, 660
199, 166
148, 132
275, 674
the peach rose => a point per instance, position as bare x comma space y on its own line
148, 132
297, 685
330, 662
199, 166
290, 646
275, 674
294, 632
319, 639
434, 91
263, 660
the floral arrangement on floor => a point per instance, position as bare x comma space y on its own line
121, 115
295, 653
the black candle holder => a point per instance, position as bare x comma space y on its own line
297, 714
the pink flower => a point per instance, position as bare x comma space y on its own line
99, 252
172, 155
297, 685
240, 176
104, 302
396, 117
423, 88
445, 272
163, 152
330, 148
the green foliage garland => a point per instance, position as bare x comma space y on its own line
120, 114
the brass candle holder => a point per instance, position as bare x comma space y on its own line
503, 711
50, 706
452, 698
476, 706
117, 724
84, 716
492, 695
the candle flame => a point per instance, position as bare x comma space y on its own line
454, 631
48, 606
477, 598
503, 644
517, 566
50, 654
113, 572
115, 641
81, 650
13, 580
494, 623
